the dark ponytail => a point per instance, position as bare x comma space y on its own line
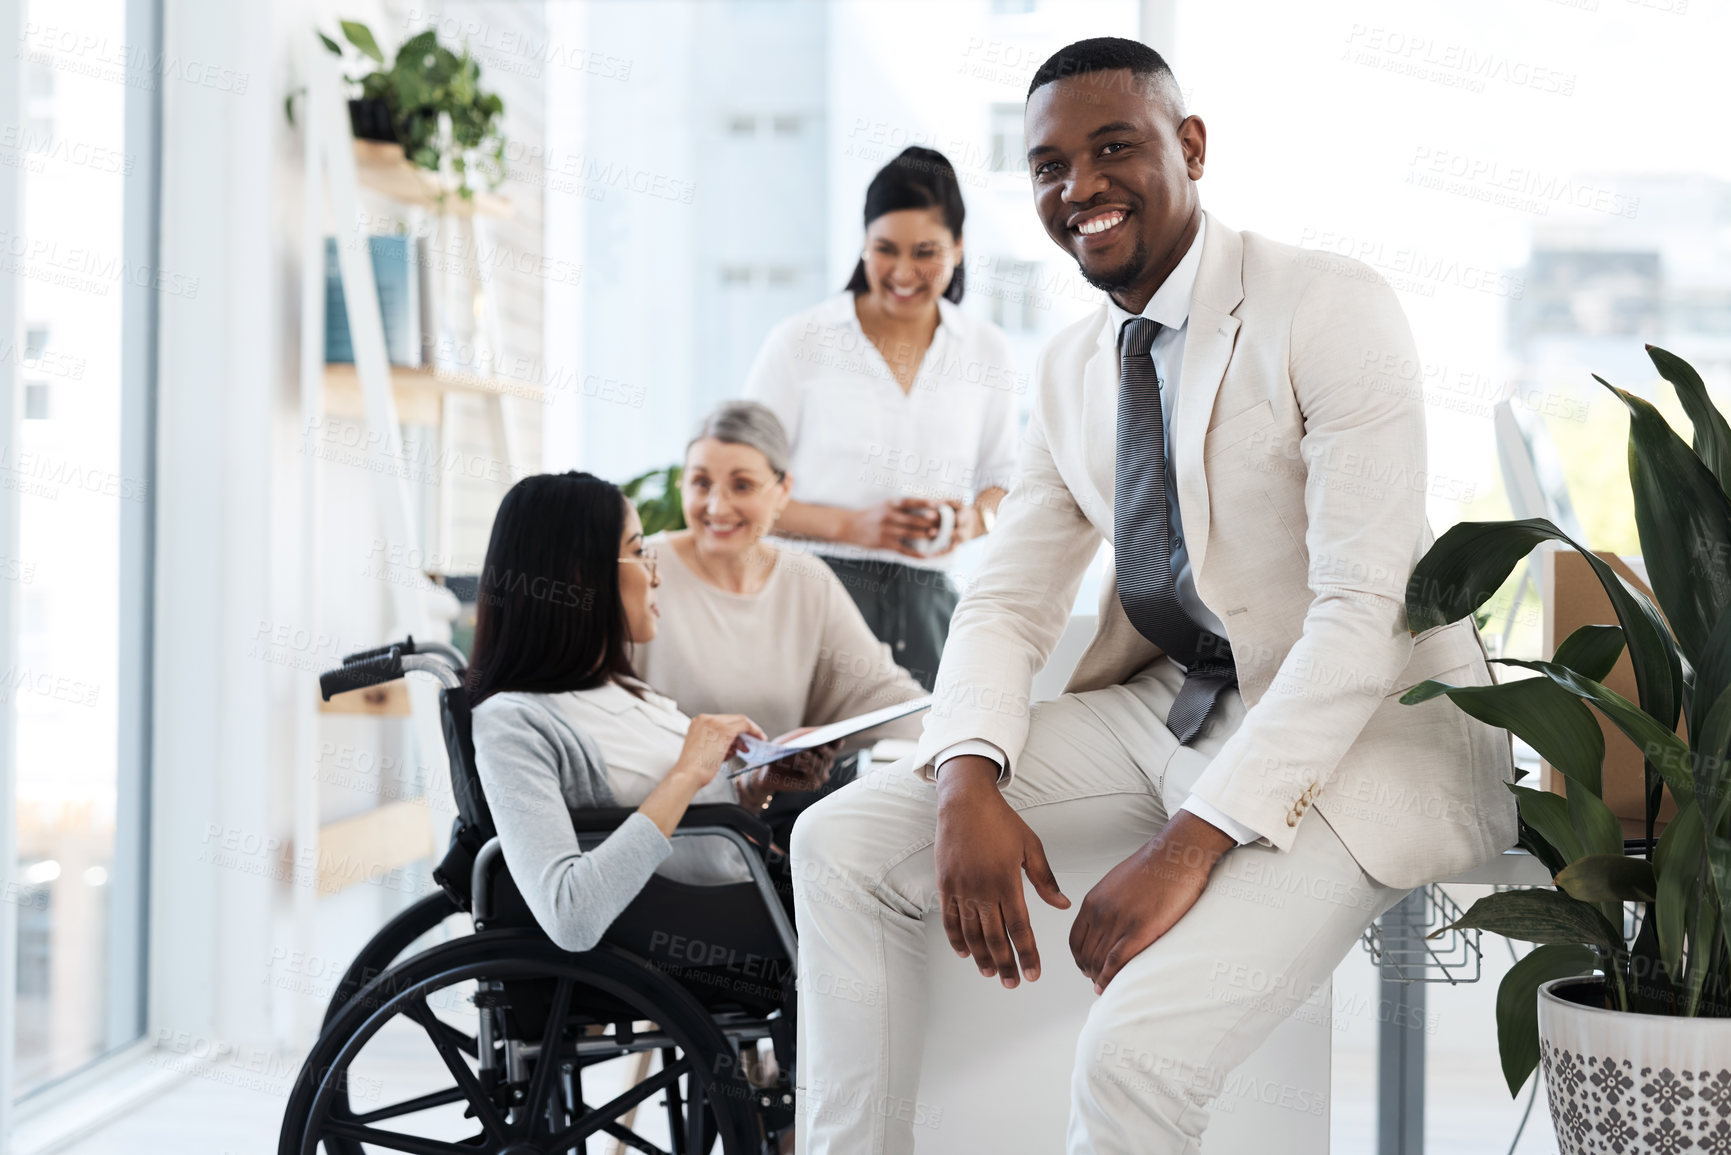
920, 178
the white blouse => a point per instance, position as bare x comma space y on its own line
640, 740
858, 439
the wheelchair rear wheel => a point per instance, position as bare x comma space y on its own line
384, 948
517, 1034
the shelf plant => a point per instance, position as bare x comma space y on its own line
407, 99
1672, 955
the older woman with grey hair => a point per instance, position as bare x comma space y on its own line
760, 630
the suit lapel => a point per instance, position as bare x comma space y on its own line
1207, 350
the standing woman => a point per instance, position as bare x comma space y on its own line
897, 403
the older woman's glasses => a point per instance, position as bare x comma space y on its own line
649, 561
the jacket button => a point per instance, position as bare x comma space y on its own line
1292, 818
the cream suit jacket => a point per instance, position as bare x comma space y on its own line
1299, 449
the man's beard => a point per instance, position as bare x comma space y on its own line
1122, 277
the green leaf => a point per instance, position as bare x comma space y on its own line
1597, 827
1712, 435
1712, 673
336, 49
361, 37
1711, 747
1677, 863
1658, 744
1651, 988
1548, 815
1466, 565
415, 50
1531, 841
1684, 521
377, 86
1591, 651
1719, 862
1470, 561
1706, 936
1518, 1005
1609, 878
1541, 713
1540, 915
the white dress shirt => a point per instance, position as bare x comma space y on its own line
1170, 307
859, 439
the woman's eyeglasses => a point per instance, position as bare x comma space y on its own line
649, 561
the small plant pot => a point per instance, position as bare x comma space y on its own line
370, 119
1626, 1084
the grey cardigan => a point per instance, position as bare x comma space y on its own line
535, 767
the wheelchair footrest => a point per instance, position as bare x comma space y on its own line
775, 1106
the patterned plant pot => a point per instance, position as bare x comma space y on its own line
1628, 1084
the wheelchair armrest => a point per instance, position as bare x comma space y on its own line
716, 819
605, 820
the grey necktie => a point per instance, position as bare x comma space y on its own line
1142, 539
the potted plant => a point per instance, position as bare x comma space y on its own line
1626, 997
406, 102
655, 493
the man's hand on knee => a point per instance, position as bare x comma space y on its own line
1144, 896
983, 846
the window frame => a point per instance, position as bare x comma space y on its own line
127, 969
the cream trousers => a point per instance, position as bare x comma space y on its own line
1097, 779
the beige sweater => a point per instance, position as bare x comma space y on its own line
796, 653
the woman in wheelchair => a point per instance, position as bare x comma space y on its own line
586, 964
562, 722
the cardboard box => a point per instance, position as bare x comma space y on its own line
1573, 598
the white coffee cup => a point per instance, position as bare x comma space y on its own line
946, 531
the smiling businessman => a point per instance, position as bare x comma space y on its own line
1231, 738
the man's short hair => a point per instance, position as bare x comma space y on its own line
1107, 54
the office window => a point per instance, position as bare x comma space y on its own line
1008, 152
76, 693
1009, 285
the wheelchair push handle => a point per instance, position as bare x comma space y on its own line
358, 674
406, 646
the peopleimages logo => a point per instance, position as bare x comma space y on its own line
1451, 65
77, 267
1517, 186
43, 475
104, 58
47, 145
1406, 266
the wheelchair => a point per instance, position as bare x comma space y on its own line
527, 1034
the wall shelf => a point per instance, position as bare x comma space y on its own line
382, 167
390, 700
419, 392
366, 847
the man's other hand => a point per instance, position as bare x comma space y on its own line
1144, 896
